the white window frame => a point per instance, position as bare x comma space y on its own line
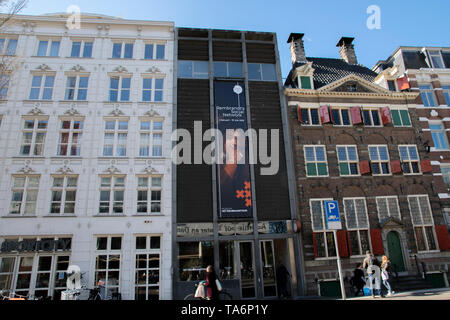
446, 92
340, 116
64, 188
442, 134
423, 225
42, 86
76, 89
25, 189
148, 251
4, 51
379, 162
149, 188
49, 47
155, 50
401, 119
436, 53
153, 90
116, 132
123, 43
82, 48
309, 117
120, 90
348, 162
324, 231
428, 92
34, 132
70, 131
371, 117
112, 188
151, 132
388, 207
358, 228
409, 161
316, 162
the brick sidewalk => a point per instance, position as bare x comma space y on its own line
429, 294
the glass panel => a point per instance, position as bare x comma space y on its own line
160, 51
227, 264
148, 51
116, 243
76, 49
193, 258
254, 71
128, 51
235, 69
42, 49
155, 242
247, 271
54, 50
87, 53
141, 242
185, 69
268, 269
117, 50
268, 71
101, 243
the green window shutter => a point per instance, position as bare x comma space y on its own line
311, 169
405, 117
306, 82
322, 168
343, 167
396, 117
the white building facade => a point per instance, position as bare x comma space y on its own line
85, 168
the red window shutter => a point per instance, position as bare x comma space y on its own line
341, 236
299, 114
324, 114
377, 242
443, 237
426, 166
402, 83
386, 115
355, 113
364, 167
315, 245
396, 166
348, 243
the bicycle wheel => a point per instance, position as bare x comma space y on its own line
225, 296
191, 297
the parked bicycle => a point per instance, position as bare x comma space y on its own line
223, 295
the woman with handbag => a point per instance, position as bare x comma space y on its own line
212, 292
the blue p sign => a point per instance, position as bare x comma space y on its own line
332, 215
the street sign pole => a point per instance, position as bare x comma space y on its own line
341, 278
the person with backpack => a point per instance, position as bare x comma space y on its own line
358, 281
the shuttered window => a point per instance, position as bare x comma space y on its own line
423, 223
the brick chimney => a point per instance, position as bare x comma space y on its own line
297, 48
347, 50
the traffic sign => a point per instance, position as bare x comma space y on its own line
333, 217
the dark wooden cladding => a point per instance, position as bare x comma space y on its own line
193, 50
192, 33
227, 51
194, 181
272, 193
260, 53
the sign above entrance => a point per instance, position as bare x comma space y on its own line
333, 217
32, 245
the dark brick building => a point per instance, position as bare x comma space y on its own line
245, 249
357, 142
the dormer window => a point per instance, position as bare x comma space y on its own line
305, 82
436, 59
391, 85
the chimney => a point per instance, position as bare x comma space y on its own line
297, 48
347, 50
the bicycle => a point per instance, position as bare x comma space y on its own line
223, 296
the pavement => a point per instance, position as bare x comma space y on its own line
429, 294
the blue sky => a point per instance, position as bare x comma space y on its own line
403, 22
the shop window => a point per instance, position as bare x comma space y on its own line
6, 272
148, 265
193, 258
108, 264
422, 219
227, 262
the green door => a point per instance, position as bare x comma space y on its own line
395, 251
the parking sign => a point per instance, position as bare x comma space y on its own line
332, 215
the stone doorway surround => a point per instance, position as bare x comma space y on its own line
393, 224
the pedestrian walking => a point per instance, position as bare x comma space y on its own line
373, 273
358, 281
212, 293
385, 271
282, 280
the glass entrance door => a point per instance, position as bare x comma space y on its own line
268, 268
247, 269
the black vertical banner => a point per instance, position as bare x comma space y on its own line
234, 183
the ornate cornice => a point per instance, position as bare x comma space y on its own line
43, 67
116, 112
36, 111
78, 68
